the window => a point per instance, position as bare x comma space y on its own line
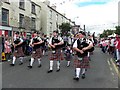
33, 8
33, 21
62, 19
22, 4
50, 27
21, 20
5, 17
56, 17
57, 25
7, 1
50, 14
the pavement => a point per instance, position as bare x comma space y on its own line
0, 64
102, 74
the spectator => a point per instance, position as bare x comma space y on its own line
104, 45
117, 46
112, 47
7, 49
3, 41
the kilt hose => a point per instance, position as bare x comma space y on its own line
81, 63
37, 53
68, 56
18, 52
58, 55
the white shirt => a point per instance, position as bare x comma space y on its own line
69, 40
21, 40
14, 37
112, 42
35, 37
75, 45
59, 38
107, 42
89, 42
116, 44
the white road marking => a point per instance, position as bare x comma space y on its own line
108, 62
114, 80
113, 74
1, 62
116, 69
111, 69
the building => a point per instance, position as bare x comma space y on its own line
51, 18
27, 16
119, 13
19, 15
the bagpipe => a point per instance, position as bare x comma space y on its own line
26, 47
55, 40
36, 40
92, 49
82, 45
43, 43
17, 41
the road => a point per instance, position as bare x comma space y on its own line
101, 74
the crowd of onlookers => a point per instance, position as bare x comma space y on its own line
8, 48
112, 46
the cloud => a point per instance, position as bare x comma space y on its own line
96, 17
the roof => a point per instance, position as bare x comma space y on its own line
59, 13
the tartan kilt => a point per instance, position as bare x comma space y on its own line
81, 64
56, 56
37, 53
18, 52
68, 56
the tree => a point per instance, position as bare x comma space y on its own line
117, 30
65, 28
106, 33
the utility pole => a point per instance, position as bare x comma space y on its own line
84, 28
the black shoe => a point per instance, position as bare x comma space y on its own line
12, 64
30, 67
68, 65
21, 63
76, 78
58, 70
83, 76
49, 71
39, 66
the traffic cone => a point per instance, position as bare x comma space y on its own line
3, 56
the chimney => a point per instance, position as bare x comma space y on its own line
63, 14
47, 2
53, 6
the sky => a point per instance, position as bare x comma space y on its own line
97, 15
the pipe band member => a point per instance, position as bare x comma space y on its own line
18, 49
44, 45
68, 54
36, 52
81, 61
89, 40
56, 43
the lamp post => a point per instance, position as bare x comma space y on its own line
84, 28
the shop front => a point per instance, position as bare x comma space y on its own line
4, 30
